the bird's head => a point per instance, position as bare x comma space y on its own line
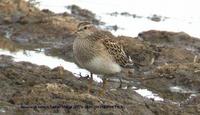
85, 29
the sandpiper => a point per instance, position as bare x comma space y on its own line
98, 51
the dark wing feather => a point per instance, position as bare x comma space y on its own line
117, 52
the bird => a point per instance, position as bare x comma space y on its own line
99, 52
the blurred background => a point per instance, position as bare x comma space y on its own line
134, 16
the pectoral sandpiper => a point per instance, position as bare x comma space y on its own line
98, 51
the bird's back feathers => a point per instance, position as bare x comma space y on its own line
117, 52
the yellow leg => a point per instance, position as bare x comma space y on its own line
90, 83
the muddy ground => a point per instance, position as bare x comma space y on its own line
167, 60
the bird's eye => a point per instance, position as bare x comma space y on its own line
85, 28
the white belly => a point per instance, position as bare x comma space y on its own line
100, 65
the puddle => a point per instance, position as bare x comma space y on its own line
149, 94
144, 92
180, 89
192, 49
192, 96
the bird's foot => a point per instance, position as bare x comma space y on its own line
120, 86
121, 82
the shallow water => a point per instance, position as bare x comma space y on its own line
180, 89
149, 94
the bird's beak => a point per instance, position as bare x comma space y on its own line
75, 32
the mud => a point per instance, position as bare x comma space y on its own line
167, 63
84, 15
31, 89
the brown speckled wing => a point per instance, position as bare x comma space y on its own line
117, 52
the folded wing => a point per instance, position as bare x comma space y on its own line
117, 52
